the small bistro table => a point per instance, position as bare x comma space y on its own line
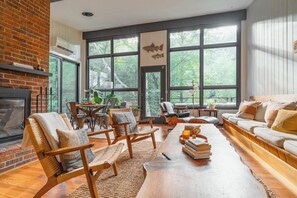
90, 110
210, 111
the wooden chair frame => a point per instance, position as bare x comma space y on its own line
53, 168
131, 137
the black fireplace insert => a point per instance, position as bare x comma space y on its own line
15, 107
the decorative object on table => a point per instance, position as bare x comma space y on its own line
197, 148
112, 97
195, 129
211, 104
94, 96
187, 135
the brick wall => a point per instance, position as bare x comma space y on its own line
24, 38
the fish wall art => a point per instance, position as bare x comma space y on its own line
153, 48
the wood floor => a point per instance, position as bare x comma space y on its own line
27, 180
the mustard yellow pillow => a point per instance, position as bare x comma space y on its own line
286, 121
273, 108
248, 109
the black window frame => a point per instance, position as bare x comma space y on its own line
201, 47
60, 80
112, 55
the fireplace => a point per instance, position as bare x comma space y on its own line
15, 107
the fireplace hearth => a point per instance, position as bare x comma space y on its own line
15, 107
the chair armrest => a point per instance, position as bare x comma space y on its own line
69, 149
100, 132
122, 124
170, 115
146, 120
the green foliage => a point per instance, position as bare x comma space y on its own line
111, 96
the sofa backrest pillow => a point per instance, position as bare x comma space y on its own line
285, 121
260, 114
273, 108
248, 109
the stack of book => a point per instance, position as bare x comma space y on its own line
197, 148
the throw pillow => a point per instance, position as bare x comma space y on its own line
273, 108
248, 109
123, 117
260, 114
69, 138
285, 121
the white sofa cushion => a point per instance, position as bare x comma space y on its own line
274, 137
236, 119
249, 125
291, 146
228, 115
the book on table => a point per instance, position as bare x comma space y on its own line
195, 155
197, 148
198, 144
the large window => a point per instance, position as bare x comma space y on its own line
207, 57
109, 62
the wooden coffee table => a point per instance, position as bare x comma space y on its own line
223, 176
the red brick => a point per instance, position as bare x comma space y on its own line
28, 156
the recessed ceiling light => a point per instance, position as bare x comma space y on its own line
87, 14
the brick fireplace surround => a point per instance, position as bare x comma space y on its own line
24, 38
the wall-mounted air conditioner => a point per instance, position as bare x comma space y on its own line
61, 46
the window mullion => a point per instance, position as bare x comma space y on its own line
201, 76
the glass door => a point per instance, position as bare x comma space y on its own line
152, 91
69, 89
54, 81
63, 82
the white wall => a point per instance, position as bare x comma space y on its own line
272, 64
74, 37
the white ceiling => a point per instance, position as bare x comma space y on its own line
117, 13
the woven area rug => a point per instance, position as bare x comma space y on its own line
130, 177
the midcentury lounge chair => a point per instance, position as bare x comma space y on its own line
104, 157
126, 128
76, 118
171, 117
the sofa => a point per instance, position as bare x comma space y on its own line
278, 149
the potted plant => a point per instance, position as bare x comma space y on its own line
136, 111
211, 104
